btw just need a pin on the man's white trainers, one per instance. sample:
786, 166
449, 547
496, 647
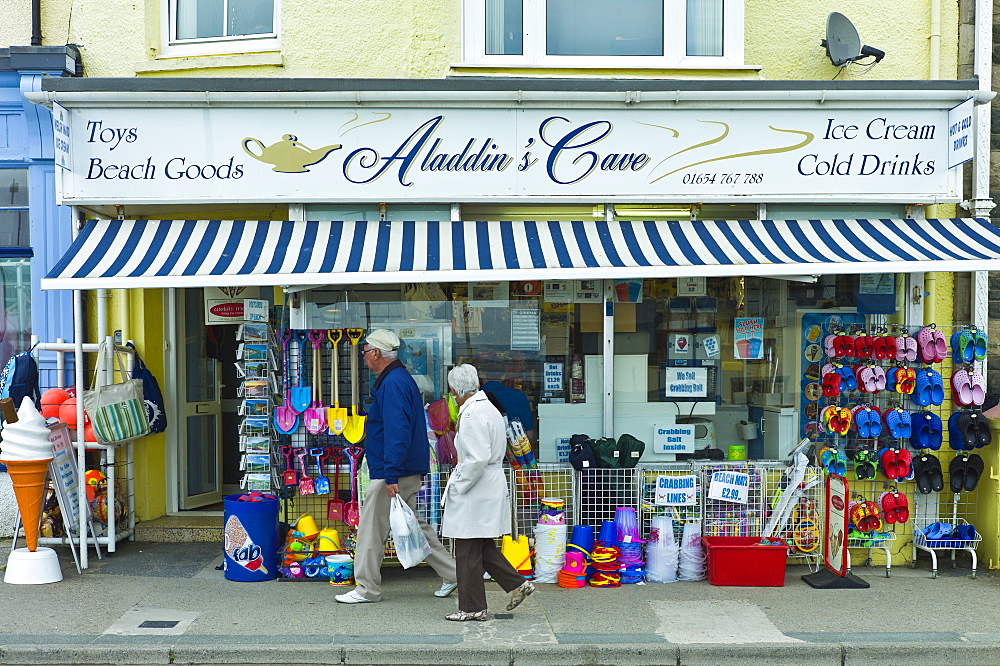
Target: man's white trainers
445, 589
352, 597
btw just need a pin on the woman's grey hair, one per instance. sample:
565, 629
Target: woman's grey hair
389, 354
464, 380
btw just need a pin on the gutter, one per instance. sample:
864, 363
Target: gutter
504, 97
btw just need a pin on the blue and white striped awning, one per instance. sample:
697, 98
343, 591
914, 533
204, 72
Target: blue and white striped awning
196, 253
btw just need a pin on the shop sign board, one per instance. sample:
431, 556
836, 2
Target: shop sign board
729, 487
63, 471
378, 154
553, 373
961, 140
686, 382
673, 438
835, 544
61, 135
679, 490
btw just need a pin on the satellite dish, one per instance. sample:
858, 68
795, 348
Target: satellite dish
843, 44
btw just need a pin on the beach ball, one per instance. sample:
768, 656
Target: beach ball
51, 401
88, 432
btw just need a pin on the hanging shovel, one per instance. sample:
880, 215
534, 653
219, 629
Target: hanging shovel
306, 485
336, 415
290, 477
335, 505
322, 484
301, 395
286, 420
352, 512
315, 416
354, 429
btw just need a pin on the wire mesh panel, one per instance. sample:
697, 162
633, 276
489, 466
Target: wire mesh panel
601, 491
681, 485
729, 518
801, 524
528, 486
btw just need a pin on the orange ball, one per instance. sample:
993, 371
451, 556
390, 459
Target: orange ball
52, 400
88, 433
67, 412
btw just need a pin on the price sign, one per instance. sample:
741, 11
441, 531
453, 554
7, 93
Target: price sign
729, 487
680, 490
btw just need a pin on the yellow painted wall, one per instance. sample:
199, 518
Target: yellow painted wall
140, 314
422, 39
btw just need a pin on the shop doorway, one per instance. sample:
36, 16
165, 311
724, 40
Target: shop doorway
200, 482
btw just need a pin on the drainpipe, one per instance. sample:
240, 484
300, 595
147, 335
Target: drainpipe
36, 22
935, 41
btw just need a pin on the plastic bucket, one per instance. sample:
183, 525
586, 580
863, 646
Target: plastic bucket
341, 569
738, 452
250, 546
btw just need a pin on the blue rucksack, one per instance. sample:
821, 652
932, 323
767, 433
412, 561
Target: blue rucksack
156, 412
19, 379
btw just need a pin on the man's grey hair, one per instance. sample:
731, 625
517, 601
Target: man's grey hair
389, 355
464, 380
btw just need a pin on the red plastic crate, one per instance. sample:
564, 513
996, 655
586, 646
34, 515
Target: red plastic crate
742, 561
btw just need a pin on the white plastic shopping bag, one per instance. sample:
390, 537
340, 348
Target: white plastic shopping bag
407, 537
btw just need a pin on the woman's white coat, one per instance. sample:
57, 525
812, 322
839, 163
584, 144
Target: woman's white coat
477, 499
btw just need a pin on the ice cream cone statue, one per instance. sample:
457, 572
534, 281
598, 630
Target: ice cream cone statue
26, 451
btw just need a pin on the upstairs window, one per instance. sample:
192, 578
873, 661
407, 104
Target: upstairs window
211, 27
604, 33
15, 228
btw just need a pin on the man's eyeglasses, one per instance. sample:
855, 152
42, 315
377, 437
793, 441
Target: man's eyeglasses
365, 351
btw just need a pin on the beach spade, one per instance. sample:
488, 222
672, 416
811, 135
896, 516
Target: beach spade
290, 477
301, 395
335, 505
336, 415
352, 512
306, 485
315, 416
286, 420
321, 482
354, 429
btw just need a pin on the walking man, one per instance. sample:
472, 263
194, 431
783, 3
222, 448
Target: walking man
398, 456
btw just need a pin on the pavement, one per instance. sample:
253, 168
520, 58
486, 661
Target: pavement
166, 603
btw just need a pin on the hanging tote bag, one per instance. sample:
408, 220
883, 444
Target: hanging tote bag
117, 411
156, 412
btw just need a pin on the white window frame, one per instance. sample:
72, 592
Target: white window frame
172, 47
674, 48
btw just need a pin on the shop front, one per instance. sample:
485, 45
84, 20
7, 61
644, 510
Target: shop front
668, 261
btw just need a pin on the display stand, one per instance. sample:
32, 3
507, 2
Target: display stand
836, 575
933, 546
870, 544
255, 364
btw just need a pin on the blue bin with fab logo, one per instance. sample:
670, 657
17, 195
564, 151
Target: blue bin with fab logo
250, 537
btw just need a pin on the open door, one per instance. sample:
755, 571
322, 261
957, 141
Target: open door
200, 445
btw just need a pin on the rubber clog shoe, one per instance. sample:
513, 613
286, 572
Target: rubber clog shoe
922, 389
973, 472
864, 465
921, 474
980, 345
978, 384
940, 346
936, 478
902, 509
894, 422
961, 388
906, 381
887, 458
878, 348
828, 347
831, 385
982, 429
880, 379
887, 500
929, 425
875, 421
937, 386
890, 346
963, 345
901, 348
848, 382
925, 344
843, 346
956, 472
863, 346
904, 463
905, 424
867, 379
860, 423
957, 440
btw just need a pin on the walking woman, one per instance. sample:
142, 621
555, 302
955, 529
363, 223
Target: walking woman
477, 502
